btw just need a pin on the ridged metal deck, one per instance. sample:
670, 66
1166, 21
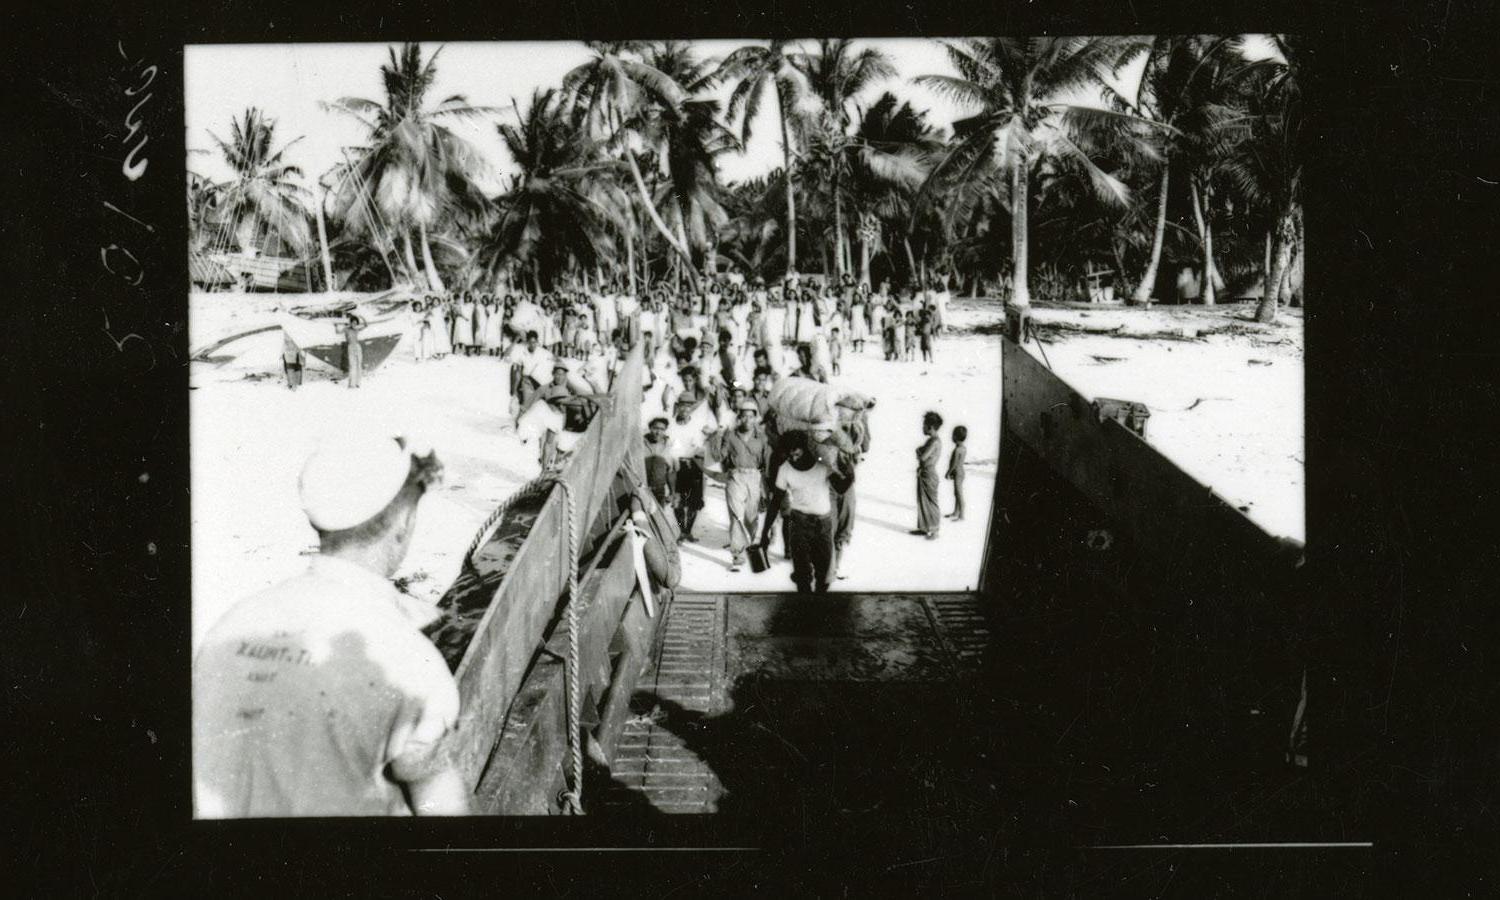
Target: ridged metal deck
719, 655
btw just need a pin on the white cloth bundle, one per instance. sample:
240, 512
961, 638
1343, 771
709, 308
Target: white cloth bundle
803, 404
537, 420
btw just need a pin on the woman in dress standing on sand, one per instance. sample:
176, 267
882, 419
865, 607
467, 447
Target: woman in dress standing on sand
929, 514
441, 324
421, 341
859, 326
463, 325
481, 319
493, 337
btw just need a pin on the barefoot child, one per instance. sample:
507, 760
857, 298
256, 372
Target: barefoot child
929, 514
956, 470
925, 326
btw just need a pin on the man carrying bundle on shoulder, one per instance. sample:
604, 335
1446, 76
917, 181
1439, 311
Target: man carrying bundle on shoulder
804, 482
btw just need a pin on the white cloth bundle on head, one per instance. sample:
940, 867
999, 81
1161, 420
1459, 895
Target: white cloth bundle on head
803, 404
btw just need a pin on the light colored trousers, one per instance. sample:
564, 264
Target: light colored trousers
742, 493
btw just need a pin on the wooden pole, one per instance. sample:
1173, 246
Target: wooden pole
323, 245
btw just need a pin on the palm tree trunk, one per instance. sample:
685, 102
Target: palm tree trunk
838, 228
791, 197
1020, 295
1296, 272
630, 252
1206, 235
411, 259
661, 226
433, 278
911, 261
864, 260
687, 261
1280, 262
1266, 269
1148, 278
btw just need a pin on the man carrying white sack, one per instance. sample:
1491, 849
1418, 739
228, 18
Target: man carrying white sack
320, 696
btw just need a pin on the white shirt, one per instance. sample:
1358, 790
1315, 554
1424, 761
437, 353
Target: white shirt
310, 695
536, 363
806, 492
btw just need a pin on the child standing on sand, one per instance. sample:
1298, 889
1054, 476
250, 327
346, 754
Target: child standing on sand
911, 336
956, 470
929, 514
925, 328
836, 351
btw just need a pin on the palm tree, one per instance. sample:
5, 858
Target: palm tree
263, 200
690, 138
1210, 140
877, 169
1170, 84
202, 203
416, 169
622, 99
753, 70
837, 74
1025, 91
751, 237
551, 216
1265, 162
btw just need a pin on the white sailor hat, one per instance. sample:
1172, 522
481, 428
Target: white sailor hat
349, 479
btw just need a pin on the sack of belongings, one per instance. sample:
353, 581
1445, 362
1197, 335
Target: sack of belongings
802, 404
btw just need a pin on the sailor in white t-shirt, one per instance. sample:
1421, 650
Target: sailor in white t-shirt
321, 696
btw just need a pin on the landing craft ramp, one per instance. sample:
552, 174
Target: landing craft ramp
1128, 671
756, 703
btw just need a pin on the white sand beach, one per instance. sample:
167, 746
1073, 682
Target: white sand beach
1227, 407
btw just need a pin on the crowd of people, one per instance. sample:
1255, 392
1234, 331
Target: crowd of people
713, 359
736, 389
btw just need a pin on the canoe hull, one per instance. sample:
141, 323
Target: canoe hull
321, 340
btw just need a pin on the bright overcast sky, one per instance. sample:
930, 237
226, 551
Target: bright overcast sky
288, 81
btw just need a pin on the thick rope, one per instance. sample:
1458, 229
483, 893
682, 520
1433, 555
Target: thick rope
530, 492
572, 797
571, 800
